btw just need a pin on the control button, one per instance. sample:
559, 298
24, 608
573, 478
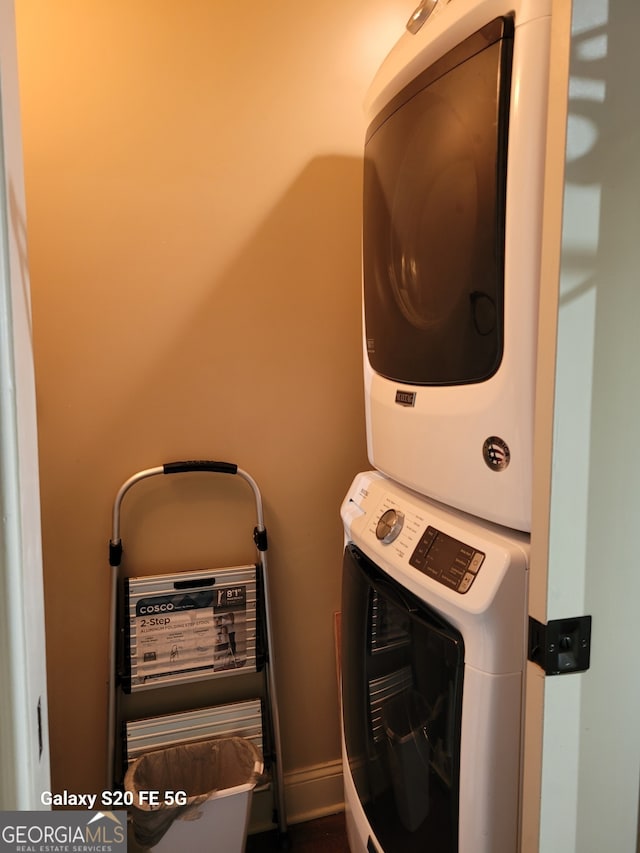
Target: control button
422, 550
466, 582
429, 535
476, 562
389, 526
461, 562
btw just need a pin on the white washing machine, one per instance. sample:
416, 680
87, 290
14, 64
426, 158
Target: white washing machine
433, 657
453, 193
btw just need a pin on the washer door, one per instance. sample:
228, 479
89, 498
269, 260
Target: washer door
402, 673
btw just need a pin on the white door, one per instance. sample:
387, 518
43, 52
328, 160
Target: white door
584, 728
24, 745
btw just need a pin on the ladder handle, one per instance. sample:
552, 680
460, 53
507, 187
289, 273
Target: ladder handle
115, 543
199, 465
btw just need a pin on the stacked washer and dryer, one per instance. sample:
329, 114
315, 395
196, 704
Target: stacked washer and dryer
435, 573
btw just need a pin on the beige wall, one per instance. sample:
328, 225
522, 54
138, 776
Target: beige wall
193, 184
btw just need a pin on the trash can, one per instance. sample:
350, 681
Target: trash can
406, 718
217, 776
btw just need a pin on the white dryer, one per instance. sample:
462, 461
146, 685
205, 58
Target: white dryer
433, 656
453, 189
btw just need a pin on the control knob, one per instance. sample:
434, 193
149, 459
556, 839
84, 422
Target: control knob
389, 526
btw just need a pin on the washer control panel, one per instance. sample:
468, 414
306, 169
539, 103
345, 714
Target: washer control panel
447, 560
409, 534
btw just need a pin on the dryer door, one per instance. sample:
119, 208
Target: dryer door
402, 673
434, 218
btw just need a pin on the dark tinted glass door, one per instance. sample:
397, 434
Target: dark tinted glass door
402, 672
434, 217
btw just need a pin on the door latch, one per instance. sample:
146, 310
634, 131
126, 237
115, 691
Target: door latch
562, 645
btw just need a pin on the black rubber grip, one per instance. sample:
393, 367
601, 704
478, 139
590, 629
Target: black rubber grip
200, 465
260, 538
115, 553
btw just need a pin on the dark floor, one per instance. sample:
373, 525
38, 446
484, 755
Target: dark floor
325, 835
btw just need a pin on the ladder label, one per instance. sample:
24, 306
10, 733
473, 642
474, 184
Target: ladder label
181, 632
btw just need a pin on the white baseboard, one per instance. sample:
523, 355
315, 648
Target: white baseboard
314, 792
309, 793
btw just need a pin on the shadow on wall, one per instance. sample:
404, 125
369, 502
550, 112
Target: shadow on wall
599, 307
610, 173
266, 374
279, 339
